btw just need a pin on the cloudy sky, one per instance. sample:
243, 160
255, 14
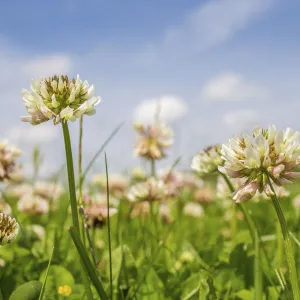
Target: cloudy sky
218, 67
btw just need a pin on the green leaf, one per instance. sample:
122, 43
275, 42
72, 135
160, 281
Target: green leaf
57, 276
27, 291
245, 294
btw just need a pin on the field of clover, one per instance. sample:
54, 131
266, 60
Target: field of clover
227, 228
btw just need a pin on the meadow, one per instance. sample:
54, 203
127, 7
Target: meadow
226, 228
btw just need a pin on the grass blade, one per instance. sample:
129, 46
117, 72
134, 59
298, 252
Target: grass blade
45, 280
87, 263
101, 149
108, 228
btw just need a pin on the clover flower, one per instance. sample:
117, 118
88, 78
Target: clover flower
9, 228
33, 205
97, 214
207, 161
8, 165
140, 209
138, 174
58, 98
149, 190
48, 191
118, 184
193, 210
267, 153
153, 140
5, 207
173, 181
204, 196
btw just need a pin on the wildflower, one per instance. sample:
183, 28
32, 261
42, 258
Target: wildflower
58, 98
4, 207
118, 184
138, 174
140, 209
48, 191
173, 181
9, 228
149, 190
207, 161
203, 196
64, 290
268, 153
193, 210
33, 205
165, 213
97, 214
153, 140
8, 165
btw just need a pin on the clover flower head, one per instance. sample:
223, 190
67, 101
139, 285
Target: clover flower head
207, 161
204, 196
118, 184
173, 181
8, 165
58, 98
48, 191
33, 205
193, 210
149, 190
268, 153
153, 140
9, 228
97, 214
5, 207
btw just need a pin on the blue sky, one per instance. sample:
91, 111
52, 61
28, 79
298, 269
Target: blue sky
226, 65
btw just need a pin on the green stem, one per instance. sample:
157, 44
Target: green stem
108, 229
153, 173
287, 243
254, 232
73, 201
258, 279
71, 178
87, 264
80, 161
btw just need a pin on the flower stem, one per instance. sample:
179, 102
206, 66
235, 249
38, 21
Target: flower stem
287, 243
153, 173
108, 229
254, 232
258, 279
73, 201
71, 178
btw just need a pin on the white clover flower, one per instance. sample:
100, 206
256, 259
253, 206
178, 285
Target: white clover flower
58, 98
8, 166
153, 140
268, 152
48, 191
149, 190
9, 228
33, 205
118, 184
207, 161
193, 210
5, 207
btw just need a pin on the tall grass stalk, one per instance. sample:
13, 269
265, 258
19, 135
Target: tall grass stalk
73, 201
108, 228
287, 242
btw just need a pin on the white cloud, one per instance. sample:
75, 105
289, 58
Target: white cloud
46, 66
232, 87
32, 135
214, 22
241, 119
170, 109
